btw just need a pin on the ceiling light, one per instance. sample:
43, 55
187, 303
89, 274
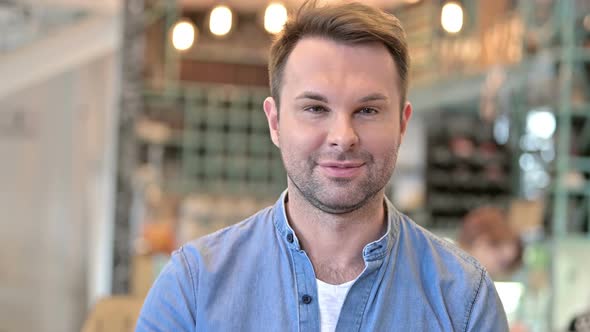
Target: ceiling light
220, 20
451, 17
275, 17
183, 35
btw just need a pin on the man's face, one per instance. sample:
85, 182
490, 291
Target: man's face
339, 127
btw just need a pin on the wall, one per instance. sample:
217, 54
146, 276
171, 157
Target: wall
56, 174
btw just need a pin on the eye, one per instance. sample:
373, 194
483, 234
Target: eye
316, 109
368, 111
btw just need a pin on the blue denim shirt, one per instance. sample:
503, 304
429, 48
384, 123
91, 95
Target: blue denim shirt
254, 276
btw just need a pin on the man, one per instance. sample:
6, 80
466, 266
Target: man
332, 253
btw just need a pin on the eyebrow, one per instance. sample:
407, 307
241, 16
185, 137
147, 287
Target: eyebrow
316, 96
373, 97
312, 95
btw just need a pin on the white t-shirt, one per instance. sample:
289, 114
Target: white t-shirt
330, 299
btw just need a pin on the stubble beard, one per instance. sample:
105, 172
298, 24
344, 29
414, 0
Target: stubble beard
314, 189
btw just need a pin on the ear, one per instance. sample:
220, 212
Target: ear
272, 116
405, 118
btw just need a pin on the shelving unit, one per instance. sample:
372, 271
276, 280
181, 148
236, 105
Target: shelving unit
466, 169
566, 52
573, 131
568, 98
220, 142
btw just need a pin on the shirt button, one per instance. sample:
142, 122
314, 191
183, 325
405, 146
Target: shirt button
290, 238
306, 299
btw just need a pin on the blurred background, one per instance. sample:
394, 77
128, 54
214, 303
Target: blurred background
128, 127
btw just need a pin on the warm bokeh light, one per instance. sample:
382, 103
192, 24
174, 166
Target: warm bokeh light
451, 17
183, 35
220, 21
275, 17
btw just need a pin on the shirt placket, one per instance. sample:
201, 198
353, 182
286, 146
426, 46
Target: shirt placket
358, 296
309, 311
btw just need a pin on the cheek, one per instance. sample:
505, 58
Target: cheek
381, 143
300, 139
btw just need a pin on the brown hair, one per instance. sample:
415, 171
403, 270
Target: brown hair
490, 222
350, 23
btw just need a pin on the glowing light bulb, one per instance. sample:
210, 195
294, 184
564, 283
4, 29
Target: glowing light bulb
220, 20
183, 35
275, 17
451, 17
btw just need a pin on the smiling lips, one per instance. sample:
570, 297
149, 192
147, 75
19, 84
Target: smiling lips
341, 169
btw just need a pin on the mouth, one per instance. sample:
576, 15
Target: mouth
341, 169
341, 164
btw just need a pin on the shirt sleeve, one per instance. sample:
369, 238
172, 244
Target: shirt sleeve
487, 313
171, 302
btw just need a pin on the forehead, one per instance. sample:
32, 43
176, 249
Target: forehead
326, 63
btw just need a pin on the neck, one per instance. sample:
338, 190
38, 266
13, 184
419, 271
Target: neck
334, 242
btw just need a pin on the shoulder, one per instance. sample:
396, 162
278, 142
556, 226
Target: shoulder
438, 250
449, 272
200, 267
237, 233
233, 241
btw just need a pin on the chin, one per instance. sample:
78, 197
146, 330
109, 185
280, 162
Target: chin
338, 206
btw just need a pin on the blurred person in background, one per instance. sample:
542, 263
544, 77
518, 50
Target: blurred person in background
487, 236
332, 253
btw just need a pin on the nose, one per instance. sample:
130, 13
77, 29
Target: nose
342, 134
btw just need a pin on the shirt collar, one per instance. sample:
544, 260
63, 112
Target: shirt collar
375, 250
